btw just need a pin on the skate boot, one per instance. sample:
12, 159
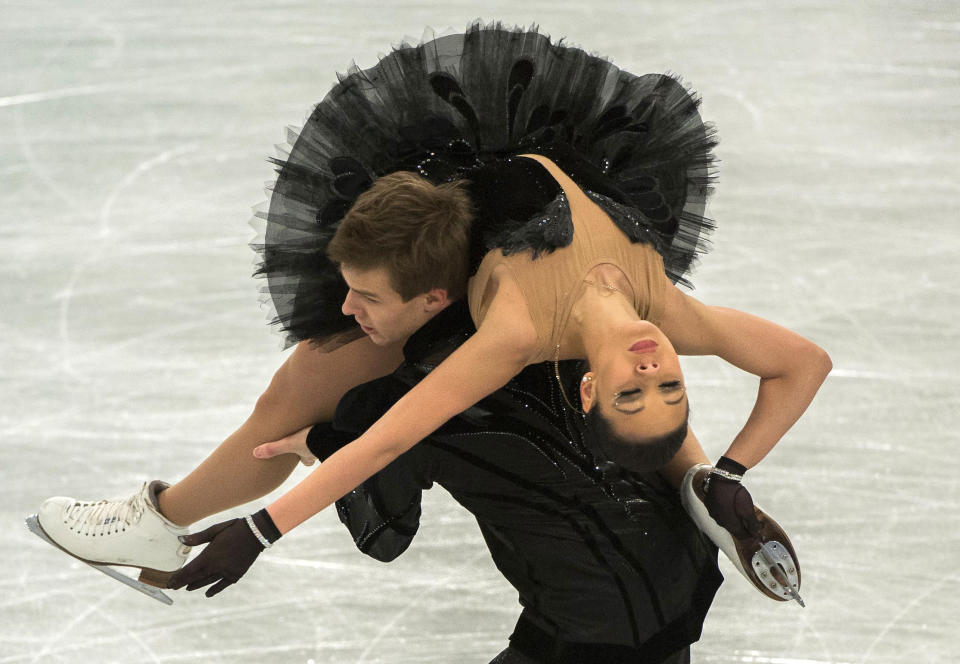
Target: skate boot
128, 532
768, 561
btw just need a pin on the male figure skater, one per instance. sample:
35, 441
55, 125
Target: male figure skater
607, 565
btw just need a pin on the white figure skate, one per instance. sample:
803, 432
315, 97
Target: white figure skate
770, 564
128, 532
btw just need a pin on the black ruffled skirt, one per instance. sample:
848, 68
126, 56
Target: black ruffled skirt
460, 106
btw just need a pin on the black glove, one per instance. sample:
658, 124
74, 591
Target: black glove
231, 549
729, 502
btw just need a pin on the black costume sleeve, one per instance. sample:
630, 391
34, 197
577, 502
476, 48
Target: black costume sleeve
383, 513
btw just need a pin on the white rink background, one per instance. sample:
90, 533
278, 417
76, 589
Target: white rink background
133, 143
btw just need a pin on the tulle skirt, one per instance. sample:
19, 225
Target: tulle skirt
456, 107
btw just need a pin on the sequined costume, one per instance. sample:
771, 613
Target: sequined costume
607, 565
551, 283
463, 106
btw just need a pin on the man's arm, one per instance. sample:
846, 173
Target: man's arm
383, 513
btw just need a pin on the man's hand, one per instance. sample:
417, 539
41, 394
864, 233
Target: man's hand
231, 549
293, 444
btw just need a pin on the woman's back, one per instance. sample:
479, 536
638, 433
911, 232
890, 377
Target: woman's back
551, 283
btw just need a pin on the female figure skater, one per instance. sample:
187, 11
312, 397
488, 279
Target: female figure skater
607, 201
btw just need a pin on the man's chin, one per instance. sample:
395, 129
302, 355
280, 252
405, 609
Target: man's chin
379, 339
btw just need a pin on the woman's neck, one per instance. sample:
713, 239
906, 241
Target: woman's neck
600, 308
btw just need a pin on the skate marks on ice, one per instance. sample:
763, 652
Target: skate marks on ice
140, 274
33, 525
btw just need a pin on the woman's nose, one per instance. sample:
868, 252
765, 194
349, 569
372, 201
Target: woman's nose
647, 367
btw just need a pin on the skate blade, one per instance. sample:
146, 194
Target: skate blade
33, 525
778, 570
769, 563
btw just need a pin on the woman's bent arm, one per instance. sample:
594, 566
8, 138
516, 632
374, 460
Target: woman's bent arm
790, 367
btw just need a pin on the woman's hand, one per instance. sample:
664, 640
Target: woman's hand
729, 502
293, 444
231, 549
731, 506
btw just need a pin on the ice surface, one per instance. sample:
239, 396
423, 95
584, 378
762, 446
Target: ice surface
134, 141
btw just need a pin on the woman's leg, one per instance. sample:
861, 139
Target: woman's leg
305, 390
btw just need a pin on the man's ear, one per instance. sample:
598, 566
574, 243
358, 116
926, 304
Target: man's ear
588, 391
436, 299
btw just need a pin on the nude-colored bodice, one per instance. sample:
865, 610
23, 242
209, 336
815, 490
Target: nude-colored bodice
552, 282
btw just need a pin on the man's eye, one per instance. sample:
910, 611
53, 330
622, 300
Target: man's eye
672, 386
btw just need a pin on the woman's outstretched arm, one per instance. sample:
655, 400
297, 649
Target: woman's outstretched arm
483, 364
790, 367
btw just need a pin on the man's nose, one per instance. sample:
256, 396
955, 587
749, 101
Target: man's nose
348, 307
647, 367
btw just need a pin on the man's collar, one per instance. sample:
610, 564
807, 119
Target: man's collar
453, 324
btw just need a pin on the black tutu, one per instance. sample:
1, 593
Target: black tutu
460, 106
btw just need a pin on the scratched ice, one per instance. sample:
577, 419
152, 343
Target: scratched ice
134, 139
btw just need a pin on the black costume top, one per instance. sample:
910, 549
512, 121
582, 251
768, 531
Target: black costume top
607, 565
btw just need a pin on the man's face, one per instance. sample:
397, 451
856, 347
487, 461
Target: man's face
380, 311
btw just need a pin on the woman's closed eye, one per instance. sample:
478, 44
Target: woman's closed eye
634, 397
627, 397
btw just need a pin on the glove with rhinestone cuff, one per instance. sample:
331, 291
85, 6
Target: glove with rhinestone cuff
232, 547
729, 502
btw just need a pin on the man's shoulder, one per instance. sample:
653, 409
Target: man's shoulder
440, 335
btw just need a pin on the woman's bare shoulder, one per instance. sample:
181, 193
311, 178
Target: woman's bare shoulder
508, 314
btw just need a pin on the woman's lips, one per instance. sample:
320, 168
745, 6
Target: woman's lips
646, 346
366, 330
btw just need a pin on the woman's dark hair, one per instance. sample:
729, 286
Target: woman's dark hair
634, 455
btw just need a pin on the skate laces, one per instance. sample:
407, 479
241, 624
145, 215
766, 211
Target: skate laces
105, 517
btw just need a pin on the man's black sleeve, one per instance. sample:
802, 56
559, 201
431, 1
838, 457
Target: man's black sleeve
383, 513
